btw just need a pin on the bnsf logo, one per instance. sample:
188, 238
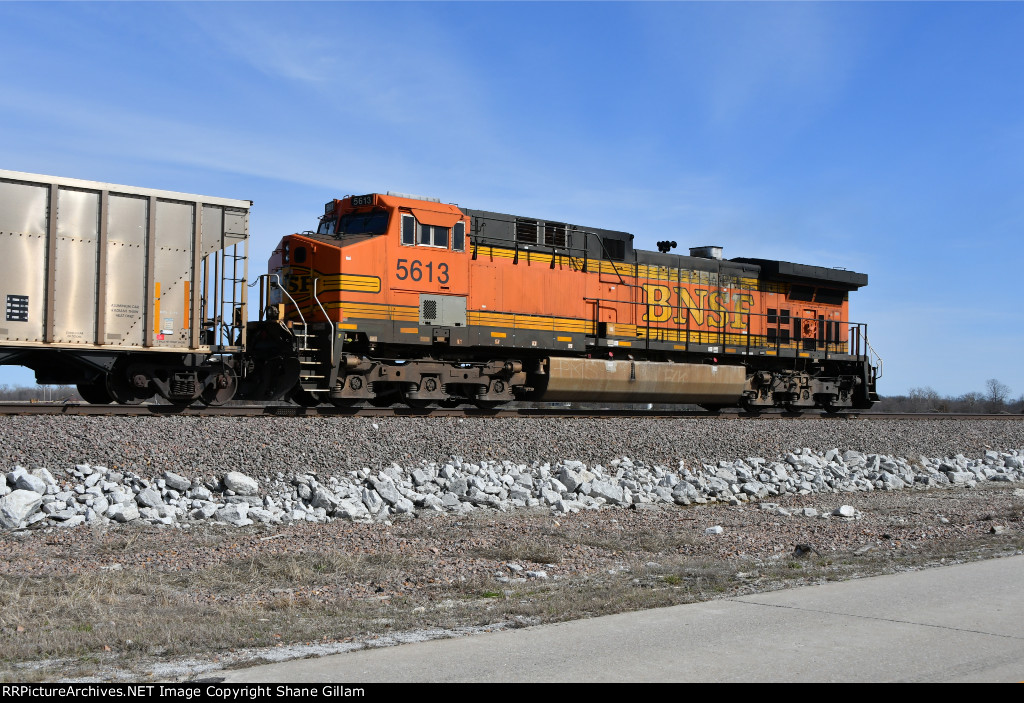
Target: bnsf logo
701, 306
298, 284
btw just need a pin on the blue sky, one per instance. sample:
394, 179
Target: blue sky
887, 138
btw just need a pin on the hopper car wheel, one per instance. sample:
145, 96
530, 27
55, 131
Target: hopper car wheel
304, 398
451, 403
487, 404
343, 402
95, 393
121, 390
222, 389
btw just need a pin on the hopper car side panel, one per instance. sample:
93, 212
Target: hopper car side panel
98, 277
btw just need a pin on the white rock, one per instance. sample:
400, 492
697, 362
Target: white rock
46, 477
351, 510
18, 506
716, 530
241, 484
235, 514
123, 512
845, 511
28, 482
149, 498
176, 482
611, 493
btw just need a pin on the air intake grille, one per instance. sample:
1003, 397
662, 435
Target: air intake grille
429, 309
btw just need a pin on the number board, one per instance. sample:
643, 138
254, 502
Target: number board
362, 200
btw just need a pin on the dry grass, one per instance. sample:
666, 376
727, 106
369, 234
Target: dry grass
101, 618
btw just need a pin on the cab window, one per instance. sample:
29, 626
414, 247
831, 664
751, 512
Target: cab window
374, 222
459, 237
416, 233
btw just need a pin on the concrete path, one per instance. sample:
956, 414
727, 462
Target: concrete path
956, 623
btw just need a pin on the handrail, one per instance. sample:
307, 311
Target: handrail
282, 289
320, 305
875, 354
655, 331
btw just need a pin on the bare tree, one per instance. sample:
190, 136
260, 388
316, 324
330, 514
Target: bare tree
996, 393
970, 402
923, 399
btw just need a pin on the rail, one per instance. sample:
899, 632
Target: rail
154, 410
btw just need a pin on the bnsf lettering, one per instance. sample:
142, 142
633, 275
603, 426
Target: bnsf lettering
712, 308
416, 271
298, 284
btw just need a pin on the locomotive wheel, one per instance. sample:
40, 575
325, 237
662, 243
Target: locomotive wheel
488, 404
343, 402
95, 392
222, 390
451, 402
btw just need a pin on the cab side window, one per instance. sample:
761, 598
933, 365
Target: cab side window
408, 230
417, 234
459, 236
432, 236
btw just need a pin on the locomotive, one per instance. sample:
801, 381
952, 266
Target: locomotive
401, 299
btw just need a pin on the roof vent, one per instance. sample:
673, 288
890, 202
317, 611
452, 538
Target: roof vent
707, 252
413, 197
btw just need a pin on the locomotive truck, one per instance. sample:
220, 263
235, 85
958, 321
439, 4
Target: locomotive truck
133, 293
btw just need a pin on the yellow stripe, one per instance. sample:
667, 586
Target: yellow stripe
564, 339
409, 330
804, 354
188, 308
156, 309
352, 283
499, 334
345, 326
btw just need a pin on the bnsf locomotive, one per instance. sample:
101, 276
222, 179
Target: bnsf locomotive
398, 299
402, 299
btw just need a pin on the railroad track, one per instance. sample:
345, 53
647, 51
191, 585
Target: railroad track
157, 410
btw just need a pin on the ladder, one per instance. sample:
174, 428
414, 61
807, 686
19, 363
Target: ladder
311, 366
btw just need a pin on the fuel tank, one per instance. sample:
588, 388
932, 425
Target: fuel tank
643, 382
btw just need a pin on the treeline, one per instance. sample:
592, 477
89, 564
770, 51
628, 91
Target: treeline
996, 398
40, 394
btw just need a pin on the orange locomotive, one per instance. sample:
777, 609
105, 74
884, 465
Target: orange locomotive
403, 299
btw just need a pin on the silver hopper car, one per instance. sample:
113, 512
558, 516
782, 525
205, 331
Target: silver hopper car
127, 292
